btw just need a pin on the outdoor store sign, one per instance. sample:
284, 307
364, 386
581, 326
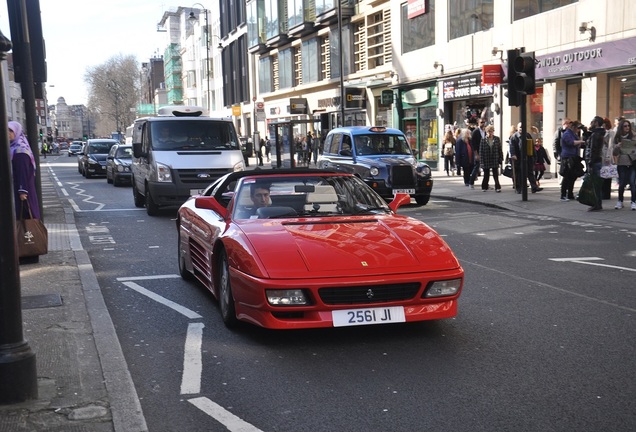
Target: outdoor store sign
466, 87
593, 58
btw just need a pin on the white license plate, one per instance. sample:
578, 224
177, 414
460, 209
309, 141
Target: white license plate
194, 192
406, 191
355, 317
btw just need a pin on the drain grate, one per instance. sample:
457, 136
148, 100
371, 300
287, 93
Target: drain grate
41, 301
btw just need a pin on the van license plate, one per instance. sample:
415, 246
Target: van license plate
354, 317
405, 191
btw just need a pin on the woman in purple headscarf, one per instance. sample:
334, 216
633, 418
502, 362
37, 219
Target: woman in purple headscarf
23, 165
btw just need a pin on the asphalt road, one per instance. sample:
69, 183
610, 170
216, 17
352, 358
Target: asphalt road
544, 339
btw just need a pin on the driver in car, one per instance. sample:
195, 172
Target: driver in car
259, 195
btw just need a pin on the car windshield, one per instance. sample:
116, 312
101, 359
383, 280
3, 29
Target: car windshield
381, 144
124, 153
193, 135
272, 197
99, 147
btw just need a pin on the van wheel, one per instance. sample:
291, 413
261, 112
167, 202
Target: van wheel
151, 206
137, 197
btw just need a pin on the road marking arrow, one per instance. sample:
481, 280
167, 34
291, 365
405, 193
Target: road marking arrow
586, 260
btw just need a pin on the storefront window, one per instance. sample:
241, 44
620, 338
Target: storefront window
628, 98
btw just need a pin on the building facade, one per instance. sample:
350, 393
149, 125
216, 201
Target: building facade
411, 64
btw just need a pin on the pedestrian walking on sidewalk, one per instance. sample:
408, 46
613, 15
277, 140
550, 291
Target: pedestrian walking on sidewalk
448, 147
625, 163
476, 136
571, 166
23, 167
490, 157
517, 145
542, 159
594, 159
458, 137
464, 155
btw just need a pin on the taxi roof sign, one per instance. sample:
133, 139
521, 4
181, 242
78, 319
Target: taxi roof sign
182, 111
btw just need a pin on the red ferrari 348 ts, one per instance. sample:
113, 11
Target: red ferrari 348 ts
289, 249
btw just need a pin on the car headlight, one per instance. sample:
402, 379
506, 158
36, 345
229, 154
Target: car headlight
239, 166
443, 288
423, 169
163, 173
374, 171
122, 168
292, 297
92, 161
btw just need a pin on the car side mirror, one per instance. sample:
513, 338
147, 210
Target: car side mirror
399, 200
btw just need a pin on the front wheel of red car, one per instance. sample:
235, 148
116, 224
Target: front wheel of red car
226, 298
183, 271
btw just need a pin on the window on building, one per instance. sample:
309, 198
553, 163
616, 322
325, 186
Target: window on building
325, 59
275, 19
347, 51
418, 32
311, 60
525, 8
469, 17
265, 81
323, 6
286, 68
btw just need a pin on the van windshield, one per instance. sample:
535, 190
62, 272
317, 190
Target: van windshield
193, 135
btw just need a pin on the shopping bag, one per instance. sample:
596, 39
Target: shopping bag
609, 171
587, 193
33, 237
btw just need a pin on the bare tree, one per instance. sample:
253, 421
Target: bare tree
113, 93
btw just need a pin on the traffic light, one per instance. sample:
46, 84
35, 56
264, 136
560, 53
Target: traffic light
41, 134
512, 94
523, 80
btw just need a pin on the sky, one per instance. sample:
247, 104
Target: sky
80, 34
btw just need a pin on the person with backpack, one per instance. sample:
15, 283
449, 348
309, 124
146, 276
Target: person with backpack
449, 153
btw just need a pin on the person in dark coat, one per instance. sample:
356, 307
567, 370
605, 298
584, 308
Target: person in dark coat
23, 167
477, 135
517, 145
490, 157
594, 158
465, 155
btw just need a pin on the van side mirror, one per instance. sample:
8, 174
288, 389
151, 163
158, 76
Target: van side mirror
137, 151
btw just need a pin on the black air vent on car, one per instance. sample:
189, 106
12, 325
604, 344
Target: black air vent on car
368, 294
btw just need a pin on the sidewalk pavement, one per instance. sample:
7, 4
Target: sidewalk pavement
83, 379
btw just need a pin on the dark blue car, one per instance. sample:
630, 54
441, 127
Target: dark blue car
381, 157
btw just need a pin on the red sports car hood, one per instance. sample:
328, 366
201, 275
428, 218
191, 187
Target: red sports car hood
329, 247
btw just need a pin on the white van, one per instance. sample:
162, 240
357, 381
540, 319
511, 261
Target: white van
178, 154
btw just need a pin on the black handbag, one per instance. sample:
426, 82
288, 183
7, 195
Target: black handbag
33, 237
507, 171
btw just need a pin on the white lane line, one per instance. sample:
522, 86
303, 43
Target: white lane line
223, 416
192, 364
585, 260
137, 278
164, 301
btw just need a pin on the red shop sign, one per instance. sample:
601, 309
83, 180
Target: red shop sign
491, 74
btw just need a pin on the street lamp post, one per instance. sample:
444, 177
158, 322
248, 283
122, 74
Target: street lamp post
192, 18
